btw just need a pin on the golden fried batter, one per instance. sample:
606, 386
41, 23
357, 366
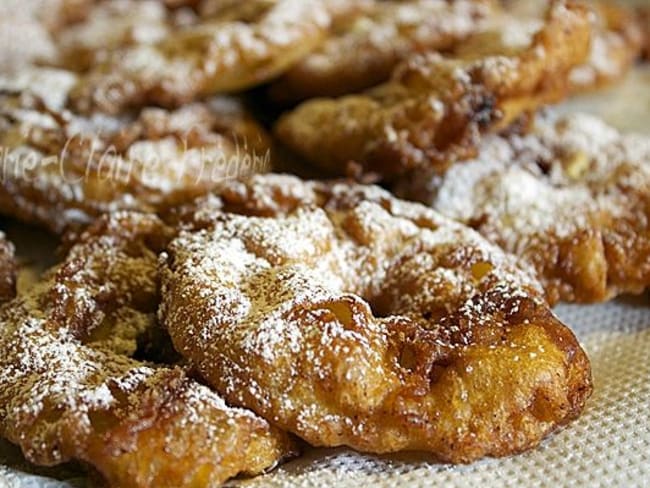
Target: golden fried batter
366, 44
616, 45
572, 198
66, 393
244, 44
62, 169
349, 317
434, 110
8, 269
57, 15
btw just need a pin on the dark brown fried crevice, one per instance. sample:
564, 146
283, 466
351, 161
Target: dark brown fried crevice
8, 269
643, 14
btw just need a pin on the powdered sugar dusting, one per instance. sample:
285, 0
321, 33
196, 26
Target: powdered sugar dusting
573, 176
62, 169
65, 389
235, 47
298, 314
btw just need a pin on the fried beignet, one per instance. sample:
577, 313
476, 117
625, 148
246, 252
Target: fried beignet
70, 391
61, 169
110, 25
616, 45
435, 110
349, 317
247, 43
364, 46
572, 198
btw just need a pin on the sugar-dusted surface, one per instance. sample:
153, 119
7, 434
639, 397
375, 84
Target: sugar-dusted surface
369, 37
571, 198
70, 388
111, 25
239, 46
349, 317
607, 446
61, 169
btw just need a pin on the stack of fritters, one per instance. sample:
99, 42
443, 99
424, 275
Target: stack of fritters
204, 317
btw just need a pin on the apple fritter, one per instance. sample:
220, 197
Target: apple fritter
365, 45
244, 44
434, 110
69, 389
62, 169
572, 198
349, 317
8, 269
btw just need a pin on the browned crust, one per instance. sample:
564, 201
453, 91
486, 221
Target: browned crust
617, 43
571, 198
242, 46
434, 110
369, 38
643, 14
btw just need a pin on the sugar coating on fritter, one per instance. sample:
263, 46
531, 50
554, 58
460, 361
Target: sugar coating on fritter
61, 169
349, 317
29, 29
615, 40
434, 110
242, 45
70, 389
369, 38
643, 15
571, 198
